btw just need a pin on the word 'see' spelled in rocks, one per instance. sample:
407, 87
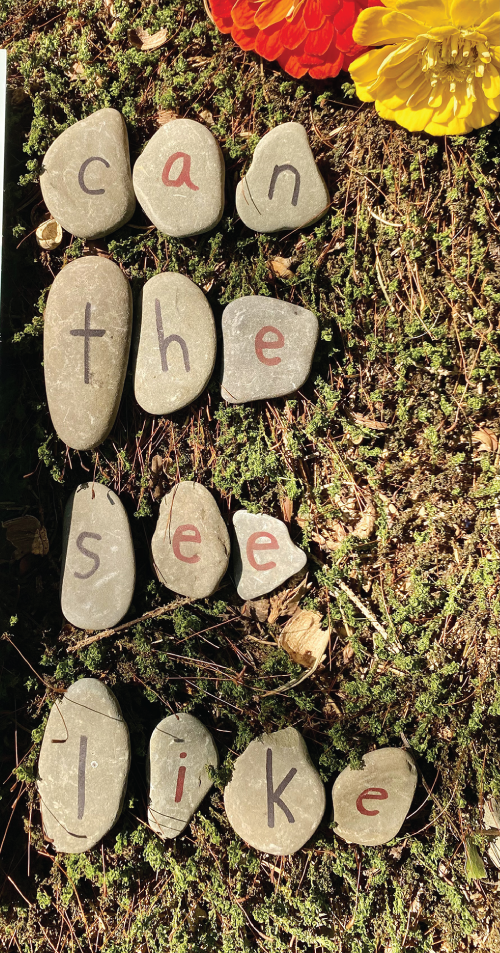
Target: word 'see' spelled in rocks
268, 348
275, 799
283, 188
190, 545
180, 751
86, 343
176, 344
179, 179
83, 767
98, 563
264, 555
85, 179
371, 804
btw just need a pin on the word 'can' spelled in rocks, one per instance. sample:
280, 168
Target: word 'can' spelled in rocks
180, 752
264, 555
83, 767
98, 563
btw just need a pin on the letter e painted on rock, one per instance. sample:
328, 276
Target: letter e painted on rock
262, 345
370, 794
254, 546
186, 533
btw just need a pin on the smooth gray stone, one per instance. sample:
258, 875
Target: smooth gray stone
491, 821
275, 799
190, 546
268, 348
264, 555
85, 179
370, 805
83, 767
179, 752
98, 563
179, 179
86, 343
177, 344
283, 188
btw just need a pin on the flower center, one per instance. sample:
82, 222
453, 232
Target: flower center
455, 60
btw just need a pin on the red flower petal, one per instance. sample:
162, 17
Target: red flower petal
314, 14
294, 33
319, 41
268, 42
291, 62
245, 39
329, 67
243, 14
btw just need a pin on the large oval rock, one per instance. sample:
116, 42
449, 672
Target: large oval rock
268, 348
370, 805
275, 799
264, 555
86, 343
180, 750
190, 546
179, 179
85, 179
283, 188
83, 767
98, 563
176, 346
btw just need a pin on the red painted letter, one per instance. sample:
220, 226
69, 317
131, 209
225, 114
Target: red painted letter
184, 177
261, 345
187, 533
254, 546
371, 794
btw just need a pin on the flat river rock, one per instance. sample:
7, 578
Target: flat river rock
180, 750
86, 342
83, 767
176, 345
264, 555
190, 545
98, 563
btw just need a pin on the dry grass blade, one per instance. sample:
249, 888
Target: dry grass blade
303, 638
368, 422
394, 645
144, 40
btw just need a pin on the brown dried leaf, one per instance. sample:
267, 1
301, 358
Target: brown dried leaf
486, 439
286, 602
166, 115
281, 267
256, 609
303, 638
287, 508
144, 40
368, 422
27, 535
207, 117
365, 526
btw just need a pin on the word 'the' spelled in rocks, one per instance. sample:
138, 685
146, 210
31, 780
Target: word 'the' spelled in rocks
275, 799
180, 751
83, 767
98, 563
86, 343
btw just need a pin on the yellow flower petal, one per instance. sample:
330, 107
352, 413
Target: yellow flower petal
491, 83
375, 26
413, 119
467, 13
429, 12
364, 70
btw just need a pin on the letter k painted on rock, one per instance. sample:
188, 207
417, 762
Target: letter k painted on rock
274, 796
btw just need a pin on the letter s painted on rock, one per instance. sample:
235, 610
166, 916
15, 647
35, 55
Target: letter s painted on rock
88, 552
81, 175
186, 533
254, 546
371, 794
184, 177
262, 345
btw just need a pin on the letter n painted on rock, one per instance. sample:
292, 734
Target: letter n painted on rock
262, 345
274, 796
186, 533
184, 177
254, 546
277, 171
371, 794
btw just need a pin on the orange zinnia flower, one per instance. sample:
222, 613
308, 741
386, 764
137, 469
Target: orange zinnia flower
305, 36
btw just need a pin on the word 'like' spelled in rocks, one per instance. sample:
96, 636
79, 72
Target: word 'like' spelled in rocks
180, 751
179, 179
98, 563
86, 342
176, 344
83, 767
371, 804
264, 555
275, 799
190, 545
283, 188
85, 179
268, 348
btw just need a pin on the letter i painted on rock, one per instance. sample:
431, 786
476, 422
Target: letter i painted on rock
181, 774
82, 764
274, 796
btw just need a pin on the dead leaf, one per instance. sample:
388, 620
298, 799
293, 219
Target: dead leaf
166, 115
336, 536
281, 267
27, 535
77, 71
486, 439
303, 638
256, 609
365, 526
144, 40
286, 602
368, 422
207, 117
287, 508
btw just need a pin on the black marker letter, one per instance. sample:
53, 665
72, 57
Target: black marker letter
82, 761
163, 342
89, 553
278, 169
83, 169
274, 796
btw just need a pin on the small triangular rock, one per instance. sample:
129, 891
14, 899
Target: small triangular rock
85, 179
83, 767
264, 555
370, 805
283, 188
180, 750
275, 799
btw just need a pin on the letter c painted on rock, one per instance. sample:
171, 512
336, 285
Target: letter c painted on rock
81, 175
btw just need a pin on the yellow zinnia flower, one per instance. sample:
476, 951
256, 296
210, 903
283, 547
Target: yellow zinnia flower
439, 66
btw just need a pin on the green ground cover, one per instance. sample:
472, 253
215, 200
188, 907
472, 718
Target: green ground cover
397, 427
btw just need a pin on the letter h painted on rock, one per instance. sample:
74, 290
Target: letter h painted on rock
163, 342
